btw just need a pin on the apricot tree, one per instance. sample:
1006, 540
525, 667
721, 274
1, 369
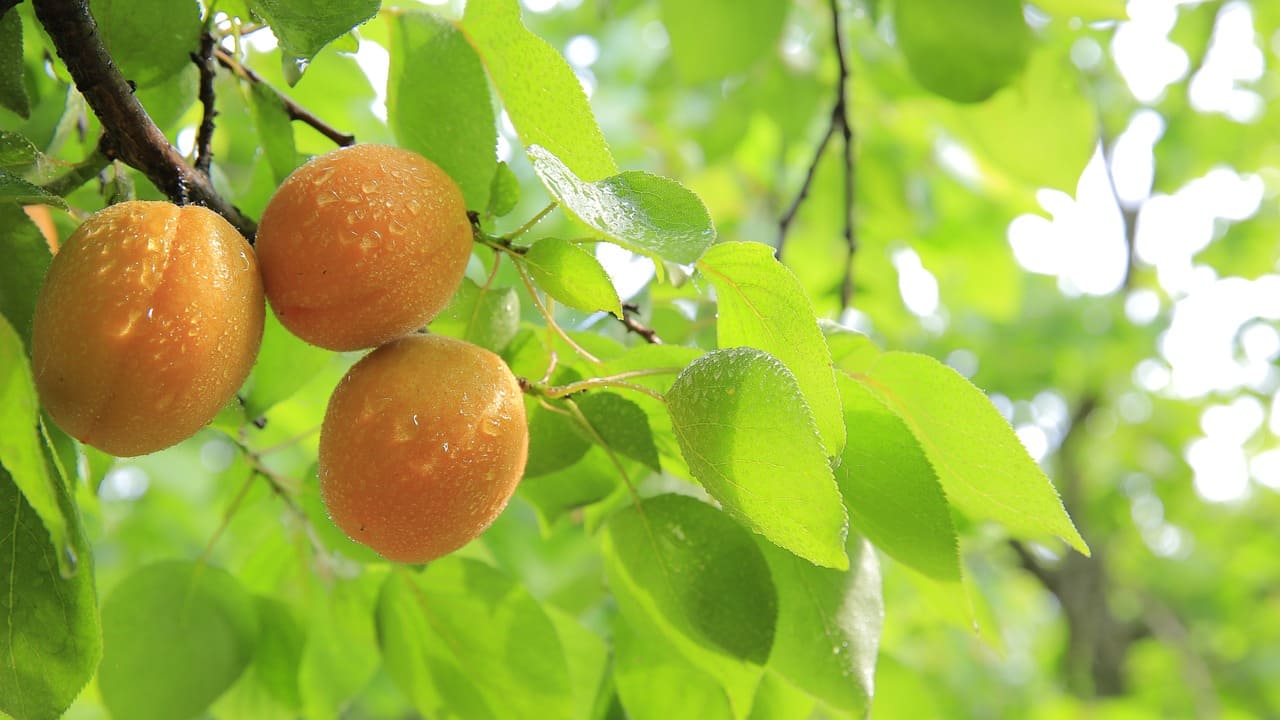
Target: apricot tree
551, 415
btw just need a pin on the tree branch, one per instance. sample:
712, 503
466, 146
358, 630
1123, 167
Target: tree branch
633, 325
839, 122
132, 135
295, 111
204, 137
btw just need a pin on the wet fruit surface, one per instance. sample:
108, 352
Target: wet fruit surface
422, 446
363, 245
148, 322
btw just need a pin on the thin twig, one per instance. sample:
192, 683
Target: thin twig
552, 325
785, 223
204, 137
840, 116
79, 174
529, 225
295, 111
132, 134
633, 325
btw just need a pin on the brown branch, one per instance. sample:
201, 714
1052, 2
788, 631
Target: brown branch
839, 122
295, 111
132, 135
633, 325
204, 137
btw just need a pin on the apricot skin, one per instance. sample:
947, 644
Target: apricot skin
422, 445
363, 245
148, 322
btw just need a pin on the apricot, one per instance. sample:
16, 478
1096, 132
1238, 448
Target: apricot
421, 447
148, 322
363, 245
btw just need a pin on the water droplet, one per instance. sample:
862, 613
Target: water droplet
70, 562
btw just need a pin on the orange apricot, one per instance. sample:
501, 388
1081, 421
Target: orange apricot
422, 445
148, 322
363, 245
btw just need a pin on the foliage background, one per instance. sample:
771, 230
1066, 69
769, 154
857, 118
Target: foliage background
1094, 245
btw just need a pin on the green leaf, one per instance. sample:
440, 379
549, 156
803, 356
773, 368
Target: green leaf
640, 211
26, 258
22, 449
334, 539
340, 655
963, 51
14, 189
150, 40
285, 363
555, 442
572, 275
279, 652
829, 625
504, 191
587, 657
175, 636
761, 304
697, 568
541, 94
1087, 10
1041, 128
984, 469
622, 425
851, 351
655, 682
448, 118
714, 38
463, 638
17, 153
52, 641
275, 130
589, 480
13, 92
891, 490
485, 316
749, 438
304, 27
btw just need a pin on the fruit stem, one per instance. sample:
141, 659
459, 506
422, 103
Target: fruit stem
615, 381
527, 226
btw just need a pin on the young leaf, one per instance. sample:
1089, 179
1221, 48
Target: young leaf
829, 625
541, 94
175, 636
622, 425
572, 275
463, 637
504, 191
22, 450
285, 364
485, 316
714, 38
984, 469
702, 572
640, 211
51, 643
749, 438
275, 130
26, 259
891, 490
14, 189
963, 51
150, 40
13, 91
304, 27
447, 118
762, 305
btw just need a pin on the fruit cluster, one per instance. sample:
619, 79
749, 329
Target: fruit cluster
151, 316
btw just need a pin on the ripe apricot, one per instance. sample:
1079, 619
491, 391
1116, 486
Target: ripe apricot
363, 245
421, 447
148, 322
